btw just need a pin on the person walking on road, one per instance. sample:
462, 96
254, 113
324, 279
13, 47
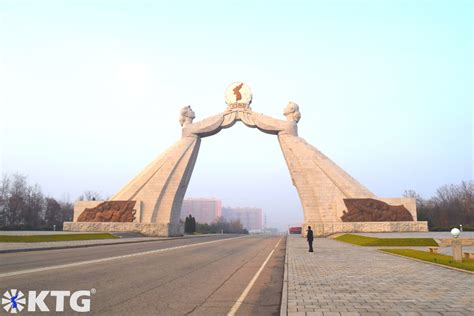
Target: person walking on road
309, 237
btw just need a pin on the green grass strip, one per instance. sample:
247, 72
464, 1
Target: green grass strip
387, 242
466, 264
65, 237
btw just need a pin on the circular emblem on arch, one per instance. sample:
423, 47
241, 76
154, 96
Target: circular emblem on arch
238, 95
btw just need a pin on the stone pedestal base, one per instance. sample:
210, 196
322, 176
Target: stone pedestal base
325, 229
456, 244
155, 230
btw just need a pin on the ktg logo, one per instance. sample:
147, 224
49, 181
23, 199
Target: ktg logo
15, 301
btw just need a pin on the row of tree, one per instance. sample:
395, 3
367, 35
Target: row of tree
222, 226
24, 206
452, 205
218, 226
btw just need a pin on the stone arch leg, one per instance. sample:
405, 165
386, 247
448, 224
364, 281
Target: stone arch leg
161, 186
321, 184
178, 184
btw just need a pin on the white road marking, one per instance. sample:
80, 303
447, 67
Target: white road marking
244, 294
81, 263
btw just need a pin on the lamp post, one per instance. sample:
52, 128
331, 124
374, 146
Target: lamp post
456, 245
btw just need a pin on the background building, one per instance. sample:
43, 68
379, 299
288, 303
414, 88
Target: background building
250, 217
204, 210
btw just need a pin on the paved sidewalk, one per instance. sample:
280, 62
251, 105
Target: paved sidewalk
342, 279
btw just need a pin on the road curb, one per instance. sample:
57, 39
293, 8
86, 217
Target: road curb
94, 245
284, 292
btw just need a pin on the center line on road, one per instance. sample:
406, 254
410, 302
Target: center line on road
244, 294
75, 264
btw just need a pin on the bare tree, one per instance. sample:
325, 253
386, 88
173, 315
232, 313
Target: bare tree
4, 198
452, 205
53, 214
67, 209
413, 194
24, 206
17, 200
90, 196
34, 209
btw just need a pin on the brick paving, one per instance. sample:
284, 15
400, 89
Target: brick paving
342, 279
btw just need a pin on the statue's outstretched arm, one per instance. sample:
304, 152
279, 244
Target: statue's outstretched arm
205, 127
269, 124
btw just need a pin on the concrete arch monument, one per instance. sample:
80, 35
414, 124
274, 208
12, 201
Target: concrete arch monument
332, 200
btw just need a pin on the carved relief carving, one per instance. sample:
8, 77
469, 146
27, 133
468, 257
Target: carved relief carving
109, 211
371, 210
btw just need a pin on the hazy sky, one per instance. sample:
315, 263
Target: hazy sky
90, 92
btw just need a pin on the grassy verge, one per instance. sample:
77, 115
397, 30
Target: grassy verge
387, 242
65, 237
466, 264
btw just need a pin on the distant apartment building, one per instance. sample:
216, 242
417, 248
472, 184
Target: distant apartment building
250, 217
204, 210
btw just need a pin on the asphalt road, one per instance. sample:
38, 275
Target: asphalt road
197, 276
